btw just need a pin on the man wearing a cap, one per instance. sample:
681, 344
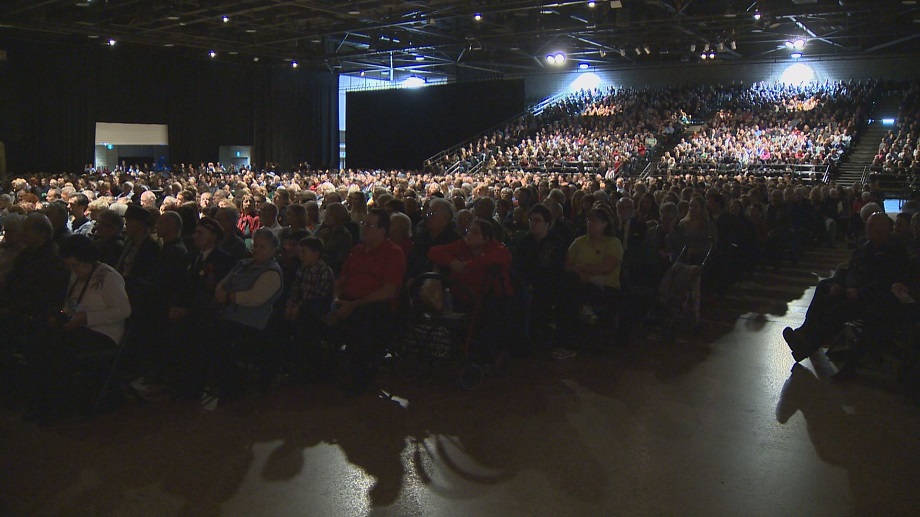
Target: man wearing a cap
193, 311
139, 258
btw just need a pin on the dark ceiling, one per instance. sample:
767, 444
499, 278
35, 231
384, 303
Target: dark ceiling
443, 38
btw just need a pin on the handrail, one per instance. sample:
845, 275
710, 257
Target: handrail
536, 109
864, 178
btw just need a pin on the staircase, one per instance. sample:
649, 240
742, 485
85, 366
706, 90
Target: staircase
861, 155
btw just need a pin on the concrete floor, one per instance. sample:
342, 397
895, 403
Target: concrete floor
713, 424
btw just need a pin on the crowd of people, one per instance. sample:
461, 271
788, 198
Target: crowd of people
765, 124
899, 150
204, 267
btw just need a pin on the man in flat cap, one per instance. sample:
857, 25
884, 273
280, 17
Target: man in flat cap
192, 314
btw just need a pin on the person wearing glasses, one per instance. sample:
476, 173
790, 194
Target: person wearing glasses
365, 298
438, 230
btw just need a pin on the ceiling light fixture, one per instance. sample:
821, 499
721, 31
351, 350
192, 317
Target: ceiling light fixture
796, 55
293, 64
419, 57
477, 17
225, 19
583, 66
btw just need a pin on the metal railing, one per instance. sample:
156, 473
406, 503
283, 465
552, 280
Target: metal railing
812, 172
536, 109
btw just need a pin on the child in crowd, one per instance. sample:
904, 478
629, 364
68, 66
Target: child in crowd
311, 294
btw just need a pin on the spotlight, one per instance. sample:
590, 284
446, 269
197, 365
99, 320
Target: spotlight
796, 55
734, 46
583, 66
647, 50
362, 73
551, 59
112, 43
756, 15
703, 56
591, 4
255, 59
799, 43
638, 51
212, 53
419, 57
225, 19
788, 44
622, 52
560, 58
712, 55
293, 64
477, 17
693, 47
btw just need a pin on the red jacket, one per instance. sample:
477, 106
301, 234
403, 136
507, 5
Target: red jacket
473, 277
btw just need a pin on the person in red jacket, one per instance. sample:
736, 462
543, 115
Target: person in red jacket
471, 259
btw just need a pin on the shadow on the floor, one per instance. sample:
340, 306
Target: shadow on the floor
852, 431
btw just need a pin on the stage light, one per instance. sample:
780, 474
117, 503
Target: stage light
293, 64
591, 4
734, 45
703, 56
788, 44
414, 82
477, 17
693, 47
622, 52
583, 66
560, 58
796, 55
551, 59
712, 55
706, 47
112, 43
225, 19
647, 50
638, 51
212, 53
799, 43
362, 73
757, 15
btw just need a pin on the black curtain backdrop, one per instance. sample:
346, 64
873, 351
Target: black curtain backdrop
52, 95
401, 128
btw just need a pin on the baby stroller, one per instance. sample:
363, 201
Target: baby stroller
680, 291
437, 335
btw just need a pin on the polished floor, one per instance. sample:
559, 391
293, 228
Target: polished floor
711, 424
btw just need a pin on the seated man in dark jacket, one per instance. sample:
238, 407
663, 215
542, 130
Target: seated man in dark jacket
36, 286
863, 292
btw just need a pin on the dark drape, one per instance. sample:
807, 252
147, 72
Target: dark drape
401, 128
52, 95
